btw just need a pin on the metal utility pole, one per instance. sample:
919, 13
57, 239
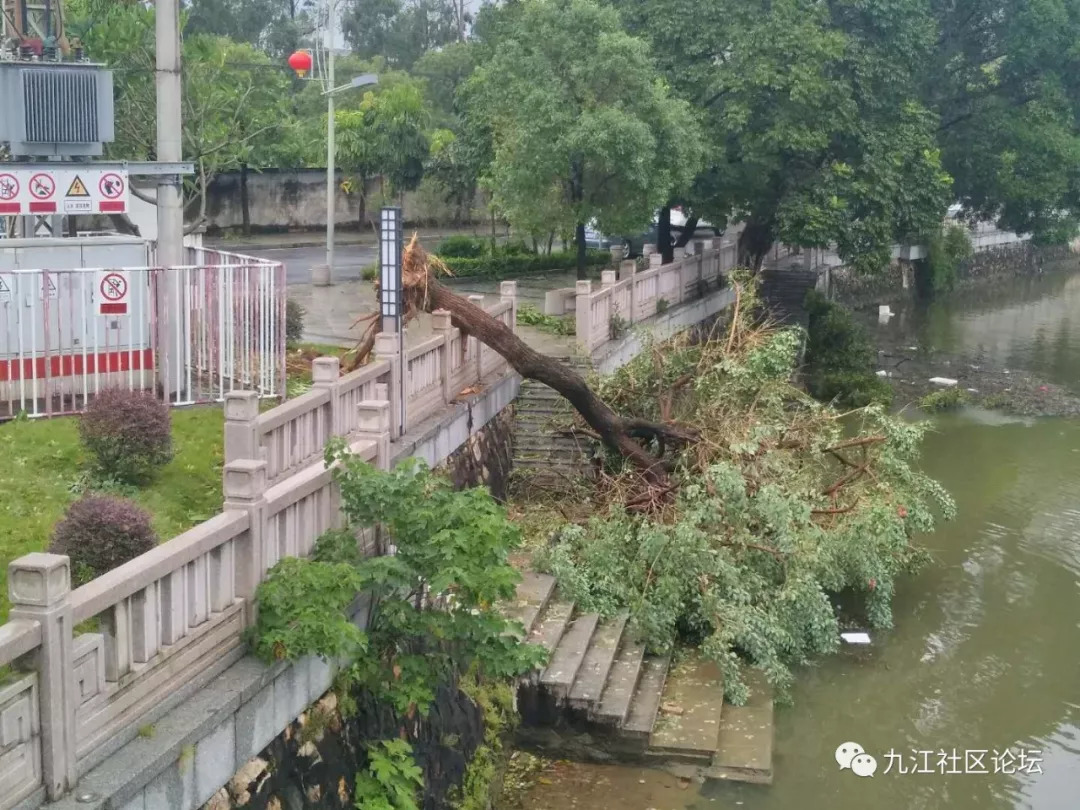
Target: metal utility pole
170, 206
323, 276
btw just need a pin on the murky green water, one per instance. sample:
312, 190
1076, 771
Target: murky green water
986, 651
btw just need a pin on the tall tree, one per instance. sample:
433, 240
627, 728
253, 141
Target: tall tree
387, 136
233, 99
1005, 81
276, 26
813, 114
582, 126
401, 30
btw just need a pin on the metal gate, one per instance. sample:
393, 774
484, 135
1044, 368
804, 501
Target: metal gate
67, 334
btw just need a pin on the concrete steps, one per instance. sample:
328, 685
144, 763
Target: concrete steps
542, 447
601, 695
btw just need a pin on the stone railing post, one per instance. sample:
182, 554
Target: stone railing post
39, 585
478, 347
441, 325
583, 314
627, 269
375, 425
245, 489
648, 250
386, 348
241, 436
656, 259
325, 373
608, 278
508, 294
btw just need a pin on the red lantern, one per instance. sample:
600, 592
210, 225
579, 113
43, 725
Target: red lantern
300, 61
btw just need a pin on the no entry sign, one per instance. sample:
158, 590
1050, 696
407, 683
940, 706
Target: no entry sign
113, 290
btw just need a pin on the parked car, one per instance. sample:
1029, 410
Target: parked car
634, 244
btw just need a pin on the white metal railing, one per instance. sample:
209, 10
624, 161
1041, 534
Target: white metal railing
67, 334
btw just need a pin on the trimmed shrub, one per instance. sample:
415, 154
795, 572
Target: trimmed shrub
294, 321
100, 532
128, 434
462, 247
503, 265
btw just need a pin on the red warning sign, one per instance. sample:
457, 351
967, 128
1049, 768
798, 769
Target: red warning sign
42, 189
9, 192
113, 286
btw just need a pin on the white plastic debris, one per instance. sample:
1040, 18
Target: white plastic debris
856, 638
884, 313
882, 373
944, 381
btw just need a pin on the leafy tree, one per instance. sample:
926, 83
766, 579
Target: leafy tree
402, 30
582, 127
435, 616
235, 101
276, 26
814, 116
387, 135
1005, 81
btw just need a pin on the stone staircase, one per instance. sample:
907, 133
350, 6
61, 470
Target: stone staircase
784, 289
543, 448
603, 698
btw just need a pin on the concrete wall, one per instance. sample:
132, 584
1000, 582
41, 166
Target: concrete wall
280, 199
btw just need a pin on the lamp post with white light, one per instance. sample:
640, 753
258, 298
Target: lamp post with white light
322, 275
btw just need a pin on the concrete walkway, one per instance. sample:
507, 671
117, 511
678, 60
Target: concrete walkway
332, 311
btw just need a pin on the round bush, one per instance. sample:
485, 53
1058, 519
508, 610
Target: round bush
127, 433
100, 532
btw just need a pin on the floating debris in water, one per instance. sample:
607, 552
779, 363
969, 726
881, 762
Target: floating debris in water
948, 381
856, 638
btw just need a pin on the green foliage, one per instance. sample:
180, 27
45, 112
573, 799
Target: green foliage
435, 616
617, 326
583, 129
839, 357
386, 135
461, 246
503, 265
401, 31
235, 99
948, 247
946, 399
392, 780
662, 306
814, 114
778, 507
530, 316
497, 700
294, 321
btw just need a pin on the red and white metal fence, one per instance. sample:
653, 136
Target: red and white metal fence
67, 334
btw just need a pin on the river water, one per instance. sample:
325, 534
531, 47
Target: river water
985, 654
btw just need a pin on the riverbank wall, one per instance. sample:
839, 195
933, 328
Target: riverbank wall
898, 283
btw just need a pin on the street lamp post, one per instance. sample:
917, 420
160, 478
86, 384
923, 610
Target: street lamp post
322, 275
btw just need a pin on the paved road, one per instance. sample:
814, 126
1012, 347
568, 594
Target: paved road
349, 257
348, 260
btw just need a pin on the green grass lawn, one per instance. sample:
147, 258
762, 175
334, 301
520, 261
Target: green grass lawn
43, 471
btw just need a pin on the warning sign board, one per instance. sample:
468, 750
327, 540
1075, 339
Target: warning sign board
7, 282
84, 190
9, 192
113, 289
77, 200
48, 288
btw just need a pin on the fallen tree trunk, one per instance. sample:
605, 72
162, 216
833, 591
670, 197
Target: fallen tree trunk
622, 435
628, 437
